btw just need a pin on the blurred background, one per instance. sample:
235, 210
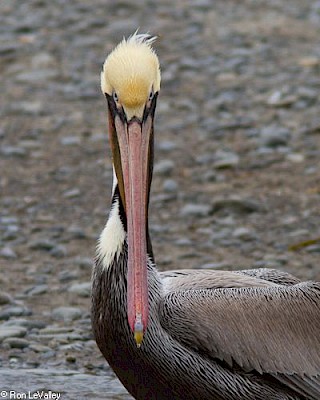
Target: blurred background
236, 178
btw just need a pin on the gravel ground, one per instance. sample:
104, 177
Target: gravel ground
237, 173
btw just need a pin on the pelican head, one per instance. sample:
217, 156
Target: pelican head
130, 81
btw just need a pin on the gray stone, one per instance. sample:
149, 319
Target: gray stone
42, 59
13, 151
70, 140
16, 342
183, 242
66, 276
220, 235
66, 313
36, 76
71, 193
98, 137
210, 176
170, 186
164, 167
53, 330
8, 253
295, 157
312, 128
236, 204
8, 220
274, 136
37, 290
84, 262
226, 159
14, 311
76, 232
195, 210
11, 331
11, 232
30, 144
281, 99
39, 348
314, 248
27, 323
59, 251
5, 298
243, 234
81, 289
166, 146
42, 244
27, 107
217, 265
9, 48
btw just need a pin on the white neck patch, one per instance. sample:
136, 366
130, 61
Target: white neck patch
112, 237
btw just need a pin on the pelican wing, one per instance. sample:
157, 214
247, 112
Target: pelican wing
273, 330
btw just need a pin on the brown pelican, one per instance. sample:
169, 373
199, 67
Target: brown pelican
188, 334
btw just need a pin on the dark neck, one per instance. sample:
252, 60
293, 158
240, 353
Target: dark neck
123, 218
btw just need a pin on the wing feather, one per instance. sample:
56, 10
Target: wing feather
273, 329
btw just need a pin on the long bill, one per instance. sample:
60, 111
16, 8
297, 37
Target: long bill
134, 142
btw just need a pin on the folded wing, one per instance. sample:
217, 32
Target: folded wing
270, 330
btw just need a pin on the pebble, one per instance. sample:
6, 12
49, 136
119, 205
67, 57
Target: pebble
68, 275
218, 236
81, 289
70, 140
14, 311
84, 263
243, 233
11, 331
5, 298
37, 290
76, 232
225, 159
170, 186
71, 193
195, 210
16, 342
39, 348
312, 128
66, 313
27, 323
295, 157
37, 76
53, 330
166, 146
280, 99
164, 167
11, 232
274, 136
309, 62
97, 137
42, 244
236, 204
183, 242
27, 107
59, 251
314, 248
8, 220
218, 265
13, 151
8, 253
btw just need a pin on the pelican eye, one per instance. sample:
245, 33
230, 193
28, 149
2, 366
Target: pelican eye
115, 97
151, 95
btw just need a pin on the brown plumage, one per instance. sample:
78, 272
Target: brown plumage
188, 334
